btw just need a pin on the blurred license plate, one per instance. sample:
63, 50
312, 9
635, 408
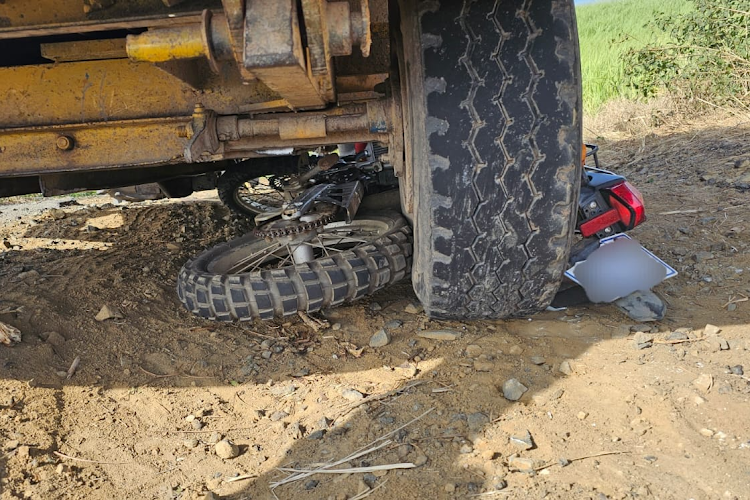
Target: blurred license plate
671, 272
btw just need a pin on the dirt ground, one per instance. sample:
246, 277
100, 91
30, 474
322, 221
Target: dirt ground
607, 417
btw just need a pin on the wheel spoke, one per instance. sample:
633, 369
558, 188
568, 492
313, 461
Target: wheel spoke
344, 239
332, 240
260, 262
254, 259
325, 248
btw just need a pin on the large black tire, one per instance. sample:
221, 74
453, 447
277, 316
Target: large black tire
492, 116
232, 180
324, 282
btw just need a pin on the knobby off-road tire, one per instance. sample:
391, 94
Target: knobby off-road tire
492, 115
232, 181
324, 282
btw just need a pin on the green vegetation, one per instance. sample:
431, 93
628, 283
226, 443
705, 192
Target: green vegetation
706, 61
607, 31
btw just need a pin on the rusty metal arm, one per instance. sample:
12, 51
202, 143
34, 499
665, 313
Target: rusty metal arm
202, 137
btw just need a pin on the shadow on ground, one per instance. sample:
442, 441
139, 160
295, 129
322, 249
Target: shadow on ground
155, 390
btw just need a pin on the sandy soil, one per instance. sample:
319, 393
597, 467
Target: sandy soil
154, 391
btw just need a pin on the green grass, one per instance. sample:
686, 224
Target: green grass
606, 30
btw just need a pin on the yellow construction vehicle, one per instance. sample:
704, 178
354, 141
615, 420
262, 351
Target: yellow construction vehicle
473, 105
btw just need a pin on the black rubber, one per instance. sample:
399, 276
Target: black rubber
492, 116
309, 287
235, 177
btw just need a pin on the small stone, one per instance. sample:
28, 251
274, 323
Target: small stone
483, 366
449, 488
28, 275
108, 312
413, 308
642, 306
723, 344
23, 452
704, 382
394, 323
190, 443
420, 460
57, 214
477, 421
226, 449
214, 438
295, 430
62, 469
537, 360
440, 335
266, 344
706, 432
278, 349
677, 335
314, 435
466, 449
266, 354
711, 330
197, 424
336, 327
381, 338
516, 350
521, 464
513, 389
311, 484
737, 370
53, 338
701, 257
386, 420
643, 340
698, 400
406, 369
680, 251
282, 390
523, 441
12, 445
499, 483
582, 415
566, 368
210, 496
278, 415
474, 351
352, 395
732, 307
374, 306
403, 450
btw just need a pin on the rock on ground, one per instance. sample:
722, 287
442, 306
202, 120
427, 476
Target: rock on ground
513, 389
226, 449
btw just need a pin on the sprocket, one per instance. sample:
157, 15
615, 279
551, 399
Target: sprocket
322, 214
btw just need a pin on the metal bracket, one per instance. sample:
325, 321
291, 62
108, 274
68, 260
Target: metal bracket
204, 139
349, 196
299, 207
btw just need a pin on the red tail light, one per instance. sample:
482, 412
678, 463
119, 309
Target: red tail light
593, 226
628, 202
